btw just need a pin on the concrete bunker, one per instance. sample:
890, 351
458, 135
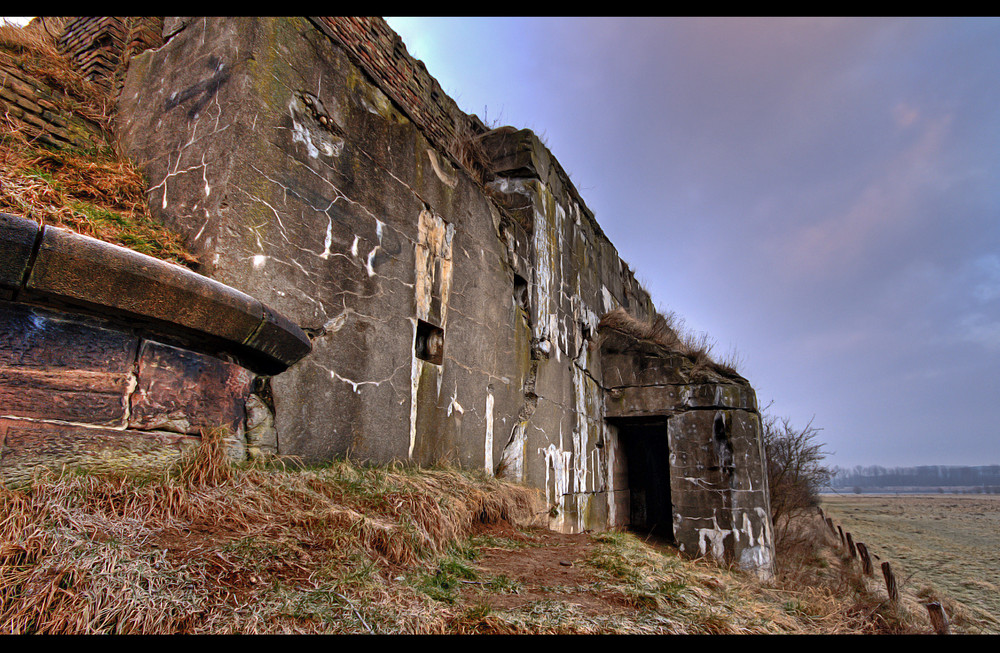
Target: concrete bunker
687, 431
332, 179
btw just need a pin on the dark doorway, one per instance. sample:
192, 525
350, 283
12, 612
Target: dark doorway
647, 463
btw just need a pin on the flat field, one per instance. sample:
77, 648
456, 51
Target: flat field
948, 542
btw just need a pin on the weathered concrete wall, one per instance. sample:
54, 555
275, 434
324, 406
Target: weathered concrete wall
327, 208
574, 276
380, 52
450, 320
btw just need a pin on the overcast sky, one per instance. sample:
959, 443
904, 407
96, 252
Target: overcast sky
820, 195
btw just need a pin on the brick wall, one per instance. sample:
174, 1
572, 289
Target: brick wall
43, 112
382, 55
99, 46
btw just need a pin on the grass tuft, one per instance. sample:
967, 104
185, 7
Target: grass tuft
667, 330
215, 547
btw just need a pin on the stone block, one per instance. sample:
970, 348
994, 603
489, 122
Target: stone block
184, 391
639, 401
54, 365
515, 153
26, 446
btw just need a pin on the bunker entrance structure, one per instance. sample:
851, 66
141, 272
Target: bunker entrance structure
460, 299
647, 469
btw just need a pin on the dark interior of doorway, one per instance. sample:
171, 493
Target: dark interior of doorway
647, 463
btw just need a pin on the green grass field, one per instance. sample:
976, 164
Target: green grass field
947, 542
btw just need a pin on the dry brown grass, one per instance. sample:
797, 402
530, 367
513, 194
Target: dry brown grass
213, 548
667, 330
942, 547
96, 193
468, 149
825, 586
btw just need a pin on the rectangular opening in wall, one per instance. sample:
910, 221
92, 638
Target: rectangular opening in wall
521, 292
647, 463
429, 343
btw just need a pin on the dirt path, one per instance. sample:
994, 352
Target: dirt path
550, 566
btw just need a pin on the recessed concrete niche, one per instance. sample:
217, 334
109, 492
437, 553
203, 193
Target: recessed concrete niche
429, 343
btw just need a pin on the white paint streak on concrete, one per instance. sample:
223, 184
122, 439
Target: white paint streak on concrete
258, 261
415, 364
328, 239
512, 459
334, 324
581, 432
301, 135
354, 247
765, 520
715, 537
489, 433
558, 462
453, 405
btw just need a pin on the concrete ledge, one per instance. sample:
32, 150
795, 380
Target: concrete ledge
71, 270
643, 401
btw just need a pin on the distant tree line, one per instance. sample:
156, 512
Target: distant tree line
929, 476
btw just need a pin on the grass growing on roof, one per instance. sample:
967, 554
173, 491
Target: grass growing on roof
97, 192
667, 330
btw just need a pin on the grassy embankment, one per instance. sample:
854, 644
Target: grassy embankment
342, 548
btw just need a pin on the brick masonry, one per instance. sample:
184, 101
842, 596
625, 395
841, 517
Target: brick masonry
43, 112
381, 53
99, 47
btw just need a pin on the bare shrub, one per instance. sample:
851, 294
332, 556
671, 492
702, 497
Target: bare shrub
795, 470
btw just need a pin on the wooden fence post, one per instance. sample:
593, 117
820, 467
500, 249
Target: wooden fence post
843, 540
939, 620
850, 546
866, 560
829, 522
890, 582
